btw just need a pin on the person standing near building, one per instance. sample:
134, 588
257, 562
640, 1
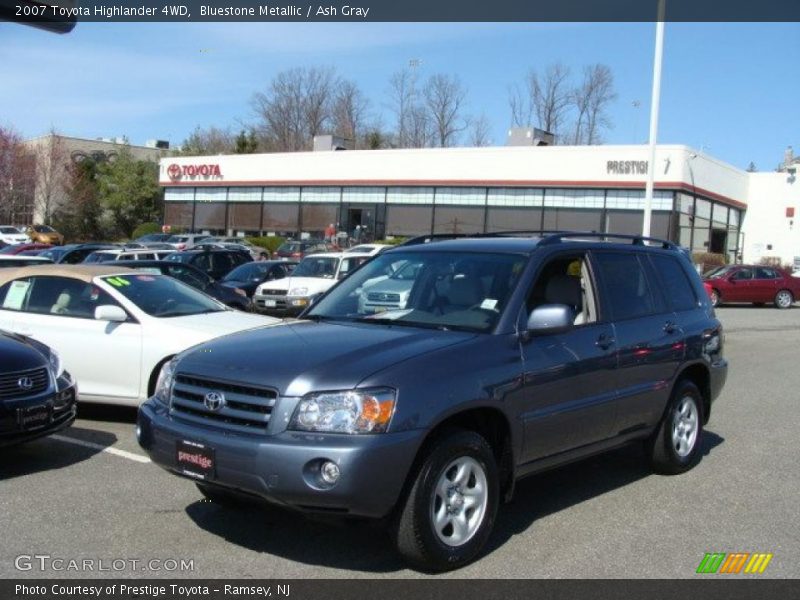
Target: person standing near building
330, 233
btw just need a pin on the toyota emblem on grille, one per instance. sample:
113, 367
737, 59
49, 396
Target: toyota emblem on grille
25, 383
214, 401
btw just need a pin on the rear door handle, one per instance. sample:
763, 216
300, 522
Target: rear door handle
670, 327
604, 342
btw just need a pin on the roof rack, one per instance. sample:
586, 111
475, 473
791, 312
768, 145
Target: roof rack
636, 240
436, 237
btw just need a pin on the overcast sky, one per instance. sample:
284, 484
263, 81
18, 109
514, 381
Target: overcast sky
730, 89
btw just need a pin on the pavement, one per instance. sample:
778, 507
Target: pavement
91, 494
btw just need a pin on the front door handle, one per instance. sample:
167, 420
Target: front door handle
670, 327
604, 342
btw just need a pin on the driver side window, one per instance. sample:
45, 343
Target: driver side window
566, 280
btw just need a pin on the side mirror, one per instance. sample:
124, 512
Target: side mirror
551, 318
109, 312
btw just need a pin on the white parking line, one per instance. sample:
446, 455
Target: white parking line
116, 452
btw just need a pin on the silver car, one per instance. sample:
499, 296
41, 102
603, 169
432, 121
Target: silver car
391, 291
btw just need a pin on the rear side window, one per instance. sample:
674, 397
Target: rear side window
766, 273
625, 285
677, 287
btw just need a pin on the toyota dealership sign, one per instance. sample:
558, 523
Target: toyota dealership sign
194, 172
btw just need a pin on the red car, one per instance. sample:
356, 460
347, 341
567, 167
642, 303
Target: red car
757, 284
17, 248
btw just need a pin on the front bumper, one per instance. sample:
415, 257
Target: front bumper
288, 306
283, 468
23, 420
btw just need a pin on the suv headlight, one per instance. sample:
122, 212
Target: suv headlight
298, 291
166, 378
347, 411
56, 364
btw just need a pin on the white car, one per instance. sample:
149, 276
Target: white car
315, 274
371, 249
11, 235
113, 254
113, 327
15, 261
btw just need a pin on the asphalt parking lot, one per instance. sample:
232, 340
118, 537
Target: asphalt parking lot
89, 493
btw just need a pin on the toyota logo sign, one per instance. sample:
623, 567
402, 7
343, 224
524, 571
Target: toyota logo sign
25, 383
174, 171
214, 401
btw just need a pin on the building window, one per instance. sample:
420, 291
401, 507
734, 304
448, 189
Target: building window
516, 197
281, 194
321, 194
179, 194
410, 195
211, 194
371, 195
244, 194
574, 198
461, 196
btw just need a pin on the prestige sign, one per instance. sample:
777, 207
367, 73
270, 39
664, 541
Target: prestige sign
193, 172
626, 167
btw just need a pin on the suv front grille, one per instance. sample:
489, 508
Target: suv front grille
245, 408
10, 383
275, 292
383, 297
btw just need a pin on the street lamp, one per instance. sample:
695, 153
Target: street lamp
648, 192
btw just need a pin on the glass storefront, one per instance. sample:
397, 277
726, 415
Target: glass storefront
698, 223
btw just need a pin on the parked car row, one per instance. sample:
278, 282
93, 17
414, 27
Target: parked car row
756, 284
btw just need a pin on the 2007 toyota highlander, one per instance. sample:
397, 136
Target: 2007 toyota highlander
511, 355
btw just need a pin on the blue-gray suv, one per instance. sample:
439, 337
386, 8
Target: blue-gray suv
511, 354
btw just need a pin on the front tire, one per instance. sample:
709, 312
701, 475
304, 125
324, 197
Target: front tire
676, 446
784, 299
449, 512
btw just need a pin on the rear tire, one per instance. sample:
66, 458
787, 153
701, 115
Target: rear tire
448, 514
784, 299
676, 446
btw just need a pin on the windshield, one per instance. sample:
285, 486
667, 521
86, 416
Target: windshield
719, 272
162, 296
43, 229
98, 257
317, 266
13, 230
441, 290
56, 253
247, 271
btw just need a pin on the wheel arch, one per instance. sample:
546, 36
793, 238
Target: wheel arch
699, 374
151, 383
491, 423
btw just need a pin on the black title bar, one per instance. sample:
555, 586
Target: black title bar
33, 11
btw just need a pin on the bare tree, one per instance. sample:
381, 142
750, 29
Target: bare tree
17, 178
519, 100
349, 111
213, 140
591, 100
479, 131
544, 97
51, 157
402, 98
295, 108
444, 98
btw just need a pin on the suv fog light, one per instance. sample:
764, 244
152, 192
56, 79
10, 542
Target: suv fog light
329, 471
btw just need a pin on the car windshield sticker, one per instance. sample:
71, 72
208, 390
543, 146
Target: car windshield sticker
489, 304
118, 281
16, 295
145, 278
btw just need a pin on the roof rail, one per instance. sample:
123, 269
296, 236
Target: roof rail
637, 240
435, 237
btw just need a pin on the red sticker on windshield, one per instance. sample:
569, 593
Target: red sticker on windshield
145, 278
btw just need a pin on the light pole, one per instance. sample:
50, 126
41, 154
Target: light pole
656, 96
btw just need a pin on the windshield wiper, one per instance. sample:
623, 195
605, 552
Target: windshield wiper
400, 323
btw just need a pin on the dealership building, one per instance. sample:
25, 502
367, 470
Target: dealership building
699, 201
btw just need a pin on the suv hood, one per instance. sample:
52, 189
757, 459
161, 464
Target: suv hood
304, 356
314, 285
18, 353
